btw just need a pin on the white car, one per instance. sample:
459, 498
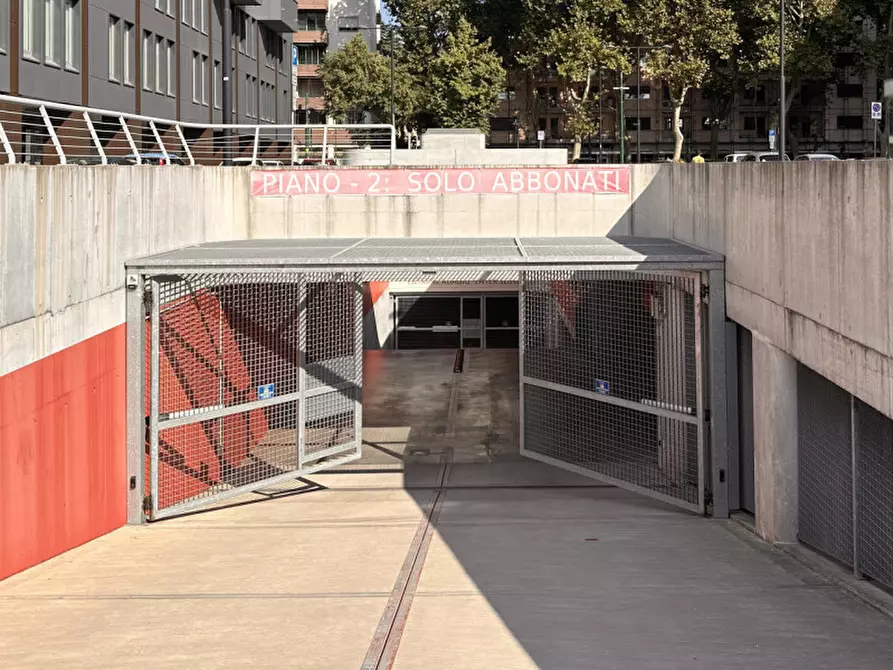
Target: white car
763, 157
736, 157
816, 157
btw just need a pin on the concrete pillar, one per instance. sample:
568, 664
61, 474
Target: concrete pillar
775, 441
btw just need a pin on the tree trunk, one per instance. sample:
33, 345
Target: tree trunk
578, 148
677, 131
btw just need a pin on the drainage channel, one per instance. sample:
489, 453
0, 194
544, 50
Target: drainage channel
386, 640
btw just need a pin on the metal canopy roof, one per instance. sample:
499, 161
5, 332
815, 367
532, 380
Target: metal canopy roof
377, 254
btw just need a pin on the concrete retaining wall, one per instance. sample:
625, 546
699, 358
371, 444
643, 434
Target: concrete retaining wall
809, 246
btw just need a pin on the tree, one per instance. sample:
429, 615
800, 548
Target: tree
815, 32
696, 31
356, 79
465, 80
574, 38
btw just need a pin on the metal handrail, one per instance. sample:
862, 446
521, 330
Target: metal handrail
383, 132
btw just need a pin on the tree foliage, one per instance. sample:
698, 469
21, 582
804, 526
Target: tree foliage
695, 33
574, 39
465, 80
356, 79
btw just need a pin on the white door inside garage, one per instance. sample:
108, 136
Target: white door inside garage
457, 321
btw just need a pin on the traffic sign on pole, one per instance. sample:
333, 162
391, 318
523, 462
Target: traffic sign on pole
876, 111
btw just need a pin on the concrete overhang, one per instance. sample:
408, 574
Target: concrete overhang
280, 16
435, 259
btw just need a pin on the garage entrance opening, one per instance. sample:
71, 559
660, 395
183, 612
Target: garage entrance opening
246, 359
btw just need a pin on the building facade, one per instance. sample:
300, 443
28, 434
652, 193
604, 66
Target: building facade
836, 120
159, 58
323, 26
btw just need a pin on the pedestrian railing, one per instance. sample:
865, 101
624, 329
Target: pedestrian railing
50, 133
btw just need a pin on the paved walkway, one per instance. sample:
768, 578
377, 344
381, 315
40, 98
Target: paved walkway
559, 573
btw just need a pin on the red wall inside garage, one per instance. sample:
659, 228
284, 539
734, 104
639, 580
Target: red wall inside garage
62, 451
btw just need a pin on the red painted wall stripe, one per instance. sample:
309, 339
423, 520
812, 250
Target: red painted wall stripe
63, 465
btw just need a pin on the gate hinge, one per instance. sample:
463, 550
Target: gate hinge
705, 291
708, 497
147, 301
707, 415
147, 505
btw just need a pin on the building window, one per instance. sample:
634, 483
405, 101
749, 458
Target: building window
32, 21
128, 53
160, 67
196, 13
4, 25
72, 34
52, 32
849, 123
148, 61
217, 80
114, 48
196, 74
310, 54
350, 24
159, 5
171, 69
849, 90
170, 7
311, 21
632, 123
203, 22
241, 28
185, 10
204, 65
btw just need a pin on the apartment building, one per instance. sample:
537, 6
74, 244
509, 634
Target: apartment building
326, 25
159, 58
836, 120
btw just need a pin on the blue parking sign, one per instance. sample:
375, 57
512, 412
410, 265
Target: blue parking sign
602, 387
266, 391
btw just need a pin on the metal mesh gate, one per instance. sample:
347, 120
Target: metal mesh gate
611, 379
251, 378
845, 477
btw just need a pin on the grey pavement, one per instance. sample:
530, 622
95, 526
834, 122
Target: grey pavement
552, 574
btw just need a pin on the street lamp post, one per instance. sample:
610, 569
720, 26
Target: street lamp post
781, 83
622, 121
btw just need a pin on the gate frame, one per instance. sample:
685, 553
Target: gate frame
384, 263
703, 417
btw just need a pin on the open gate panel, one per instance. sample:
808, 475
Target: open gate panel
611, 379
251, 379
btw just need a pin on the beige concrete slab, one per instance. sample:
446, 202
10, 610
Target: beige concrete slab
298, 581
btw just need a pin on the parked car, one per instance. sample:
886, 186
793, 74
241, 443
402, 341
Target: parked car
816, 157
158, 158
243, 162
737, 157
763, 157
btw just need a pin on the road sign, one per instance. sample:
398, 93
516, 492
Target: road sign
876, 111
602, 387
540, 135
266, 392
772, 139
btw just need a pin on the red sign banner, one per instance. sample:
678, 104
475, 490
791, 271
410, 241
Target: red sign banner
612, 180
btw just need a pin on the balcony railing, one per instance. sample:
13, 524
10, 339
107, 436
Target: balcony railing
40, 132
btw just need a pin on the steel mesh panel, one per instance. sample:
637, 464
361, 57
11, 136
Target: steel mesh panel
634, 332
825, 466
198, 462
329, 422
223, 341
649, 452
331, 333
875, 494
